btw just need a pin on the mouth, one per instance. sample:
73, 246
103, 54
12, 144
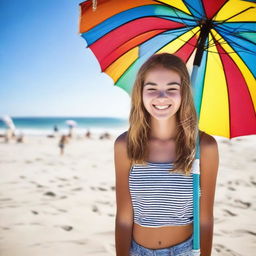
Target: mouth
161, 107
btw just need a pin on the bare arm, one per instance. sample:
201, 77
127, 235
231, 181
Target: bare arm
209, 162
124, 212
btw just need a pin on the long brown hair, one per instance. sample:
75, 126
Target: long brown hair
139, 130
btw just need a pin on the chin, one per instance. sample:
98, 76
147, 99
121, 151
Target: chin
164, 117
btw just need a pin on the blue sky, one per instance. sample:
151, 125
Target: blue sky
46, 69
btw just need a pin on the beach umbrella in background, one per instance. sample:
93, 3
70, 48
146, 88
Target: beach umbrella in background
217, 41
9, 122
71, 123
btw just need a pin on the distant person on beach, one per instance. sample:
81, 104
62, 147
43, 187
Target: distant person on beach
20, 138
155, 160
88, 134
55, 128
105, 135
70, 133
62, 143
9, 134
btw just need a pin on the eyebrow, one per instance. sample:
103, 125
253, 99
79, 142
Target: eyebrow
171, 83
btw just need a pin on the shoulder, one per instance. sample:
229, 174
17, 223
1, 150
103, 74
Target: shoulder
120, 142
207, 143
120, 148
209, 155
121, 139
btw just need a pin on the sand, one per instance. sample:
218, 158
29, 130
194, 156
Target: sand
65, 205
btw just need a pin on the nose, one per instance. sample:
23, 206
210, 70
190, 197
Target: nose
161, 94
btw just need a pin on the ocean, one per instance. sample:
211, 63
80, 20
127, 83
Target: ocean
45, 125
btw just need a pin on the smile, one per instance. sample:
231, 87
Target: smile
158, 107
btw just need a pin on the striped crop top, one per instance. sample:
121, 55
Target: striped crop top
160, 198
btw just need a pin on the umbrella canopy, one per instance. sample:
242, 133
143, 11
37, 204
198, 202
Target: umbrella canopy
216, 36
9, 122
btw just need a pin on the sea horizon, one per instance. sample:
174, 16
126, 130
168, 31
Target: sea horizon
44, 125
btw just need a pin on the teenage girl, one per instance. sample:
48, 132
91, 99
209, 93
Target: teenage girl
153, 161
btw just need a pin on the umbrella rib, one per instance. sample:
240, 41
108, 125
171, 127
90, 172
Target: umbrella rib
230, 30
168, 31
235, 33
219, 10
172, 7
182, 20
237, 54
217, 41
200, 15
234, 16
241, 47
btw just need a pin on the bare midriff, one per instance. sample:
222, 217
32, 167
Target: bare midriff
161, 237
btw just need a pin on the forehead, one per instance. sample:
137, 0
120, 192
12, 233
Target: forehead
162, 74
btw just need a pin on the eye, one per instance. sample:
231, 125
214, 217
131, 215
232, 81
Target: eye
151, 89
172, 89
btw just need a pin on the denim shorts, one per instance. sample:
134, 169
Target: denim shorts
181, 249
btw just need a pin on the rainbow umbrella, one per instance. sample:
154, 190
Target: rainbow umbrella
216, 39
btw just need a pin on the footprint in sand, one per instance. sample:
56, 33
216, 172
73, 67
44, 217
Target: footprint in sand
103, 202
224, 251
242, 204
62, 210
5, 228
102, 189
242, 182
77, 189
252, 181
95, 208
5, 199
62, 179
238, 232
49, 193
229, 213
67, 228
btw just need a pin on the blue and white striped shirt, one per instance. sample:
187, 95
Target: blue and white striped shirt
160, 197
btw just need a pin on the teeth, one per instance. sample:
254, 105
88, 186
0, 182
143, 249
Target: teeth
162, 107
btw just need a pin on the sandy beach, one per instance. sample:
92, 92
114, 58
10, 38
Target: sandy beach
65, 205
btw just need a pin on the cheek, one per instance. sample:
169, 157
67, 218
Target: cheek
146, 99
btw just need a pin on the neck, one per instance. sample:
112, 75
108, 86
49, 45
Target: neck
163, 129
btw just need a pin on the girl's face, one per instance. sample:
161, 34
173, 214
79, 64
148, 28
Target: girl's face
161, 93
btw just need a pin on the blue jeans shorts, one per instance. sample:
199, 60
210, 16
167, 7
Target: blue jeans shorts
181, 249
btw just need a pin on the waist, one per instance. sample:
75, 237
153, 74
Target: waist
161, 237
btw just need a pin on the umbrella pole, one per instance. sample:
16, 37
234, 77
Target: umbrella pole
196, 184
205, 29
